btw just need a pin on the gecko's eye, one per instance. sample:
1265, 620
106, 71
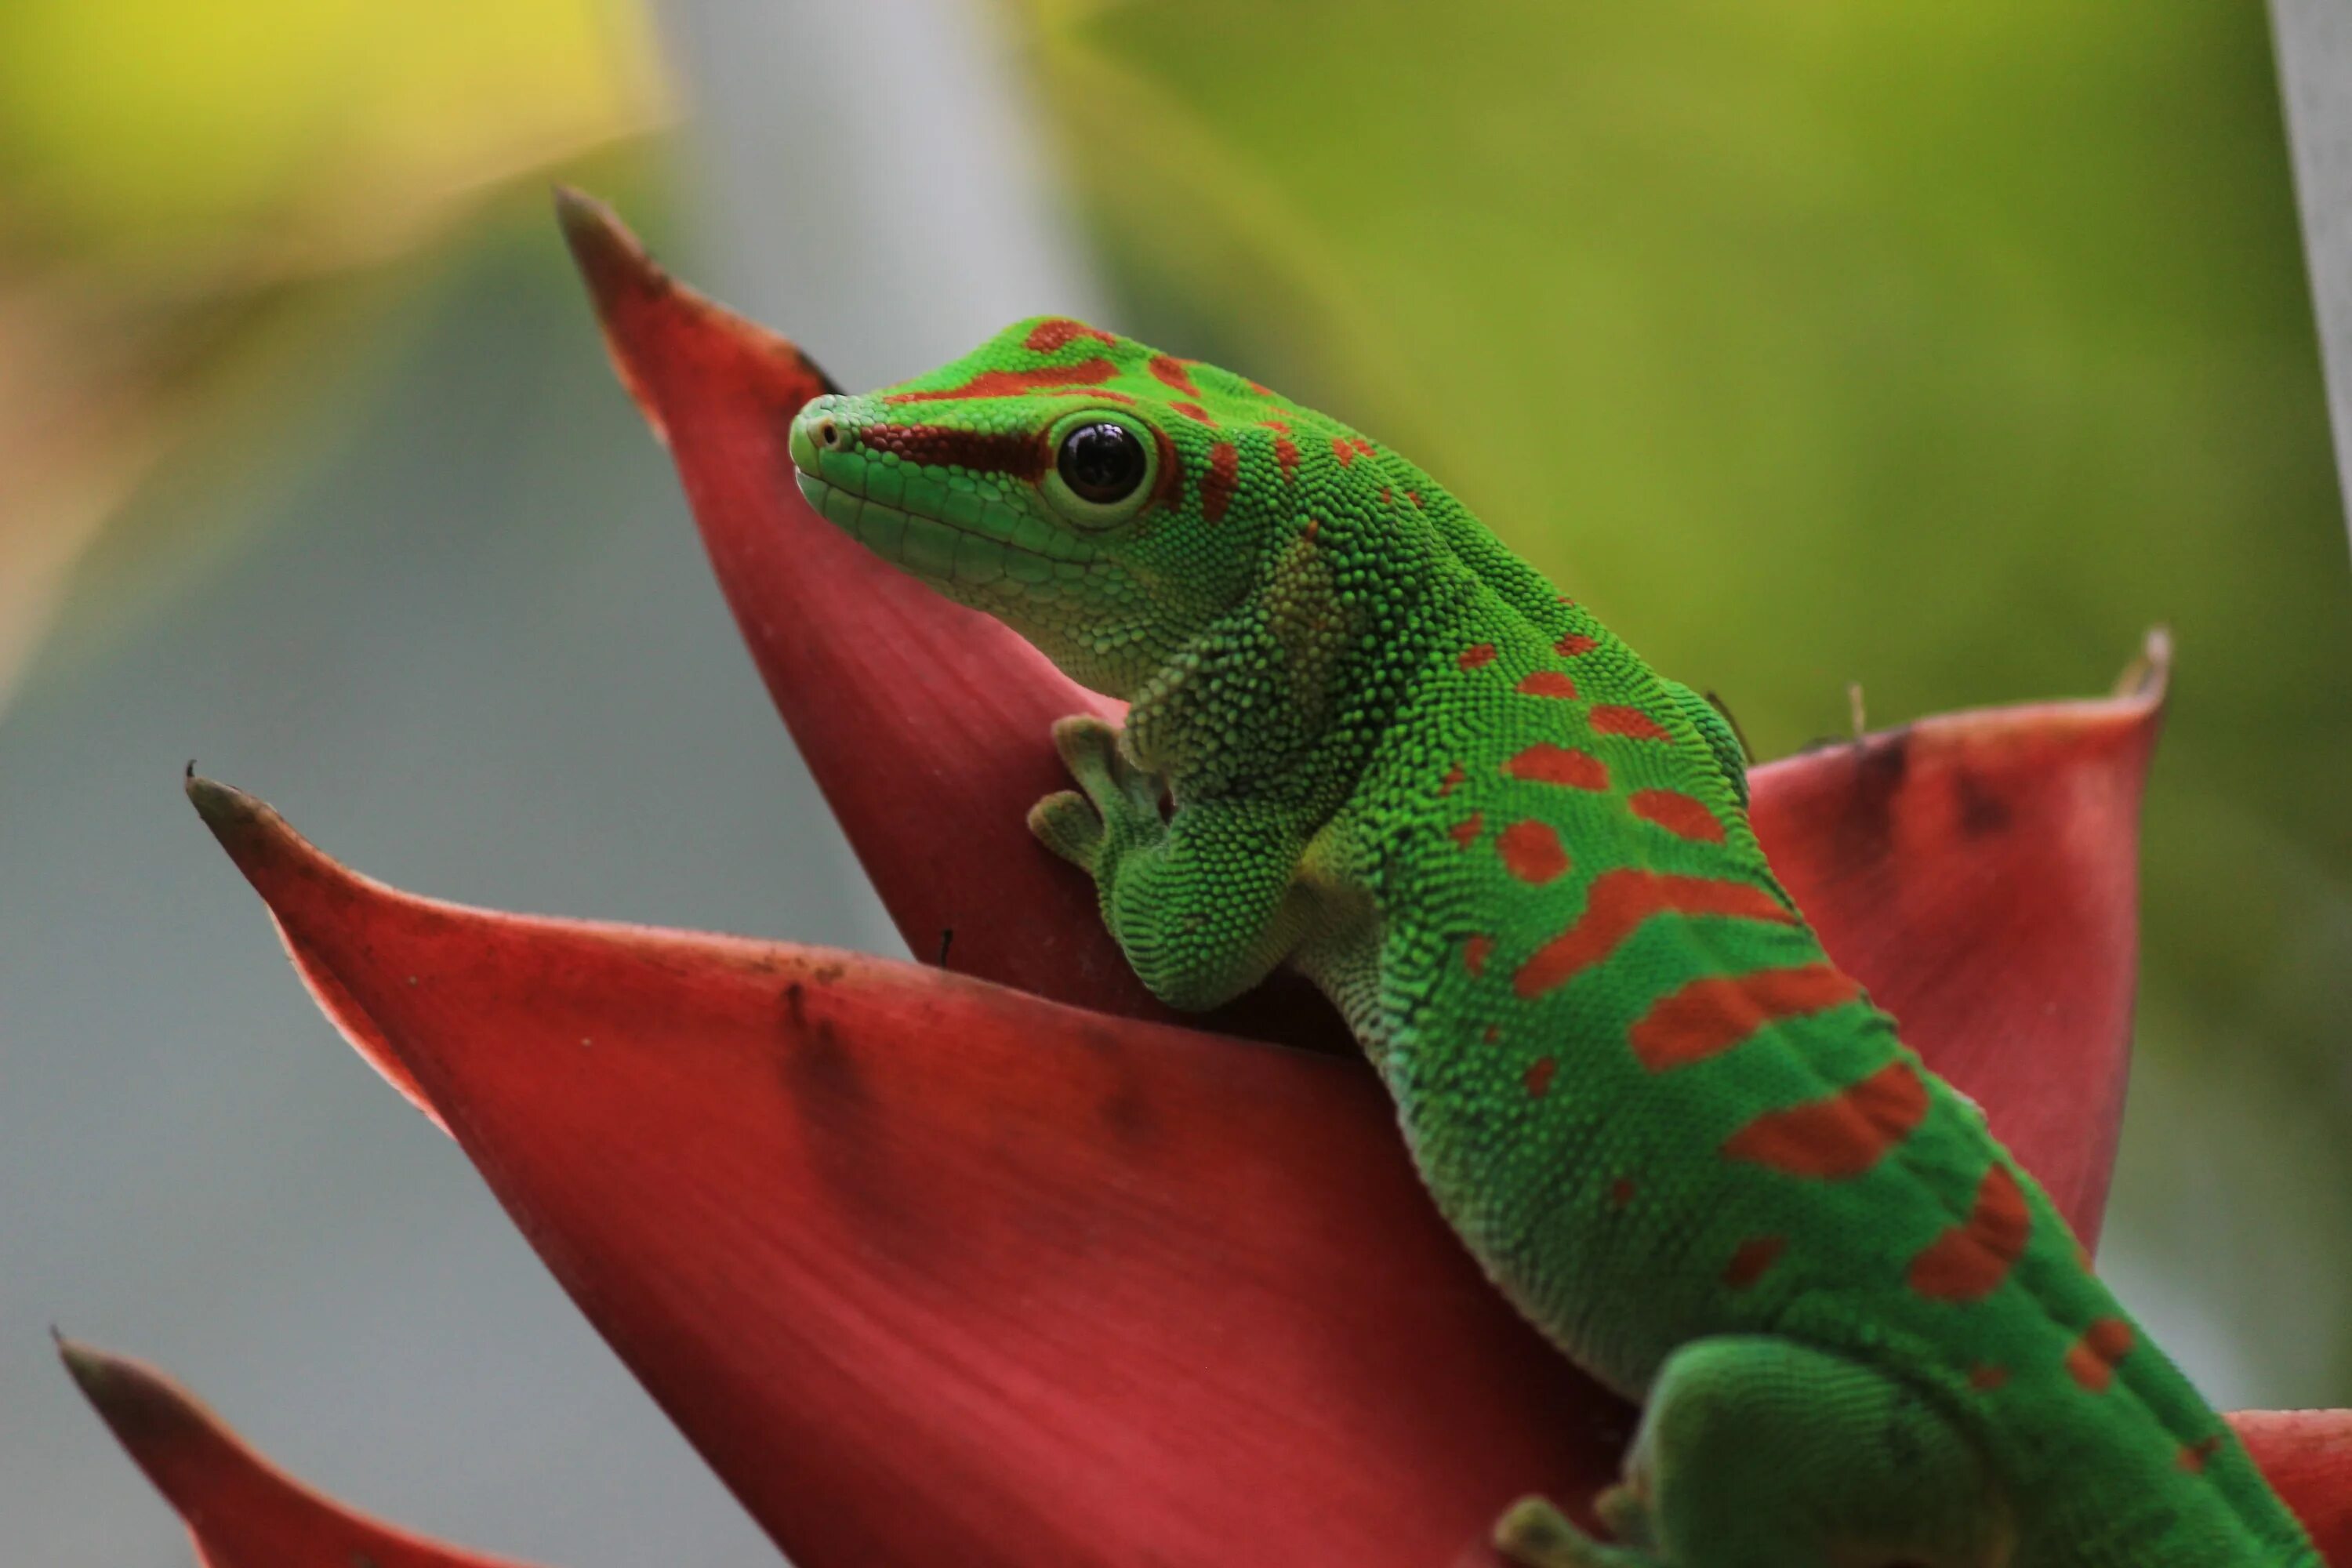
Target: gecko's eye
1103, 463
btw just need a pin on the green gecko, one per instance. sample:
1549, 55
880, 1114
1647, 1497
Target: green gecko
1519, 860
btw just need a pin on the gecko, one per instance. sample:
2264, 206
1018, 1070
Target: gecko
1365, 740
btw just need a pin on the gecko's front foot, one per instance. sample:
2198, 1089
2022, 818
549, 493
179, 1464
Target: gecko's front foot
1114, 810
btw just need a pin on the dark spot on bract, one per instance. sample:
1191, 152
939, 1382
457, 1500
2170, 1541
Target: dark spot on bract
1865, 834
1127, 1111
1983, 812
844, 1131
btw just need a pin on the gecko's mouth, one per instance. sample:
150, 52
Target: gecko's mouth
971, 541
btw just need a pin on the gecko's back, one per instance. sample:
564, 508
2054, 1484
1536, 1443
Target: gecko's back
1658, 1113
1671, 1129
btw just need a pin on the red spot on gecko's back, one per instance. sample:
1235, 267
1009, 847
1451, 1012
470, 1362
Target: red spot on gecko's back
1610, 719
1046, 337
1286, 453
1454, 778
1539, 1075
1474, 954
1465, 832
1574, 643
1172, 372
1839, 1135
1685, 816
2092, 1360
1620, 1192
1013, 382
1217, 485
1531, 852
1753, 1260
1195, 412
1477, 655
1986, 1376
1548, 683
1709, 1015
1543, 762
1969, 1262
2194, 1456
1618, 904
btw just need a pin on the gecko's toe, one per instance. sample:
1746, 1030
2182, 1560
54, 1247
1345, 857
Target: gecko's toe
1067, 822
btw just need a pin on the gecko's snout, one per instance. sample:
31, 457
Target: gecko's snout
816, 430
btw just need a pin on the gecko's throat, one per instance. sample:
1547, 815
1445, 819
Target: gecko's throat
951, 527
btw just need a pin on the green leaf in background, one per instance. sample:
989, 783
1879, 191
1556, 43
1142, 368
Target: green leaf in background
1939, 348
193, 204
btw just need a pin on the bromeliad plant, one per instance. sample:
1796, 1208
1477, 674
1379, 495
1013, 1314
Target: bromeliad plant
1007, 1266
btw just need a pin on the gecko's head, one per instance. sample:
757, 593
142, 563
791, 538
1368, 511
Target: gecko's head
1105, 500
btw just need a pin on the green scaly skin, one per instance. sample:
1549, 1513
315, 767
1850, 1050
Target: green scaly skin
1683, 1142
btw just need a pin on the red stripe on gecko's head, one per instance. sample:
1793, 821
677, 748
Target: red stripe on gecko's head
1048, 336
1013, 383
1169, 491
1171, 373
939, 445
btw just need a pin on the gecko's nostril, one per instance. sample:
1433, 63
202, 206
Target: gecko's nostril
828, 435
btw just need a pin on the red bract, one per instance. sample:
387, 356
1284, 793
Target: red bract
934, 1269
927, 1266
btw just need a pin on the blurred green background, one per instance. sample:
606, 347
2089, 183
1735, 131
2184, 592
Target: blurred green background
1942, 349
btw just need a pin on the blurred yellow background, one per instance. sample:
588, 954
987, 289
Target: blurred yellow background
1942, 349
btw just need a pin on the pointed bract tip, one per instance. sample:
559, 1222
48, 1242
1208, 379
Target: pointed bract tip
618, 269
264, 846
138, 1403
225, 810
611, 259
87, 1363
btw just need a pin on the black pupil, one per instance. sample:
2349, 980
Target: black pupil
1101, 463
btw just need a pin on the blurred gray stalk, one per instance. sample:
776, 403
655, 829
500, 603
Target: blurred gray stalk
2315, 58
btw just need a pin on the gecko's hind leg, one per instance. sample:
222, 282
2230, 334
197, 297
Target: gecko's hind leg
1757, 1452
1537, 1535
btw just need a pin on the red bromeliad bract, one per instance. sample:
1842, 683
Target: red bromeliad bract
1011, 1267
